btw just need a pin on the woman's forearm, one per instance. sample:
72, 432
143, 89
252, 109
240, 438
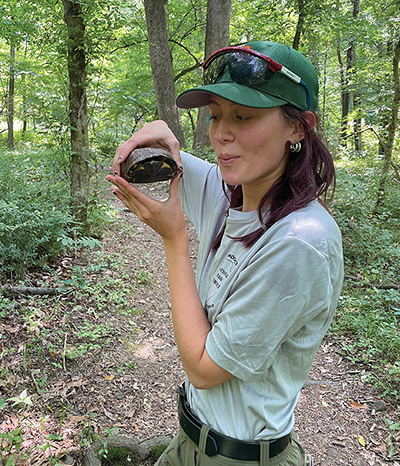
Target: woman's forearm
191, 325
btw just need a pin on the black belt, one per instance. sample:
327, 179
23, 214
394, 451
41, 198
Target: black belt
218, 443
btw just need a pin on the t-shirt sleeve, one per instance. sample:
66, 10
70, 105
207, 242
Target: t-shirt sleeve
284, 294
200, 189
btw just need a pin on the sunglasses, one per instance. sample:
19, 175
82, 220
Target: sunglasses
247, 67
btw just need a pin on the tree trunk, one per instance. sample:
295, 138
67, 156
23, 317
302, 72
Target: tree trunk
387, 144
77, 110
24, 103
300, 24
325, 75
357, 102
161, 66
217, 36
344, 100
10, 110
346, 78
357, 125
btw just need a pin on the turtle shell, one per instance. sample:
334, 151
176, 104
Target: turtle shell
148, 165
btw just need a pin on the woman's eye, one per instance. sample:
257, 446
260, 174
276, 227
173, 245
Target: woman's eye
242, 117
212, 118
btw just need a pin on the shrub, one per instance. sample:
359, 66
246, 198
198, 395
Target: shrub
33, 211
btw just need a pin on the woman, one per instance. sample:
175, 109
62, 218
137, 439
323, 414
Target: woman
270, 265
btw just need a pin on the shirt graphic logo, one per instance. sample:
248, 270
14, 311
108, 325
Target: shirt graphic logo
223, 272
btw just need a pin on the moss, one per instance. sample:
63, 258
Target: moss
121, 456
157, 451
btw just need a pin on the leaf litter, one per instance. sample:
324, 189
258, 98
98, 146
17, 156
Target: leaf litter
113, 363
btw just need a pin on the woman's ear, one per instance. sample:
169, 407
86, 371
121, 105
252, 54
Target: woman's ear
298, 130
311, 119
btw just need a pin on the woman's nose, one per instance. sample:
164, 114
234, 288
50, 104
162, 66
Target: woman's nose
224, 131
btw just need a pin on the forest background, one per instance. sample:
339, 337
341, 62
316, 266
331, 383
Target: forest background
78, 77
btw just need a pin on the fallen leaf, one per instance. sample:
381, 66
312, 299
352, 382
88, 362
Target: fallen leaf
361, 440
355, 405
109, 377
381, 448
76, 419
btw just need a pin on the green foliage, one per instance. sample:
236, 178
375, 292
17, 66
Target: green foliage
207, 154
367, 318
10, 442
368, 313
370, 240
33, 211
98, 282
35, 224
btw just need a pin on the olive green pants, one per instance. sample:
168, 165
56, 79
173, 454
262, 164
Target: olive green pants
183, 452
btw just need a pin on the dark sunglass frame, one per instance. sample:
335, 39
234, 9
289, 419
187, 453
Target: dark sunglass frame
273, 66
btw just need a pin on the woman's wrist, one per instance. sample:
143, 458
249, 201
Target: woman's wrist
176, 243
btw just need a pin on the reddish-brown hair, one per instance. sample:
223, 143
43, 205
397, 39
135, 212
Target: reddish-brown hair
308, 176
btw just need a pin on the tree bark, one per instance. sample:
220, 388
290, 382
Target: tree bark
24, 103
80, 178
300, 24
344, 101
10, 110
357, 125
30, 291
217, 36
161, 66
357, 102
347, 94
387, 144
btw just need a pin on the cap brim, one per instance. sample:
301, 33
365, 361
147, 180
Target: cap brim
241, 95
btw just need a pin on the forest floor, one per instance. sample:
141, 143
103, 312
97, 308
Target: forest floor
128, 386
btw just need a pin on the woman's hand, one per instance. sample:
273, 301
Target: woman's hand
154, 134
164, 217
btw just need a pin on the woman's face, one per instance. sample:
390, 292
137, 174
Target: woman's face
251, 145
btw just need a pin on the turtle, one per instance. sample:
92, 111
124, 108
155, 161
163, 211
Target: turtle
148, 165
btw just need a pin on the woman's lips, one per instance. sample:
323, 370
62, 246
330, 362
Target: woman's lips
227, 159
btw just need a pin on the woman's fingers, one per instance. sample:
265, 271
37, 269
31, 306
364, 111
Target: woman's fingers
165, 217
146, 208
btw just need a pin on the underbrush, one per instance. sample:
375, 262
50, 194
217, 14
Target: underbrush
368, 316
35, 224
33, 211
48, 342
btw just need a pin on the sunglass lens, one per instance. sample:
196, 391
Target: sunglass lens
244, 68
214, 70
248, 70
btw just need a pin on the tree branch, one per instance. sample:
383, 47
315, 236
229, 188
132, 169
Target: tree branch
361, 282
125, 46
31, 291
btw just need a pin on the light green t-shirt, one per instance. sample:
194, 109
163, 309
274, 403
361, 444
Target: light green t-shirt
269, 305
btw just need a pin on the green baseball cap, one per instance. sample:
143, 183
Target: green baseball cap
296, 84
